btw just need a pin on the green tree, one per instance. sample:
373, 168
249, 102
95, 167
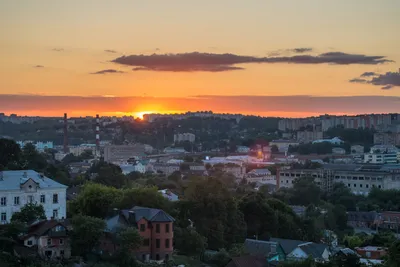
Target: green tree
189, 242
29, 213
31, 159
10, 154
94, 200
393, 259
86, 233
127, 240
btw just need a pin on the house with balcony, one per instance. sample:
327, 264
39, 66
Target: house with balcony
49, 238
155, 227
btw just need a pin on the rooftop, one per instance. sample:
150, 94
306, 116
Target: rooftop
12, 180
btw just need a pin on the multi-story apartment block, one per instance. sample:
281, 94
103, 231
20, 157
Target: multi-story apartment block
358, 178
18, 188
353, 122
122, 153
308, 136
155, 227
184, 137
387, 138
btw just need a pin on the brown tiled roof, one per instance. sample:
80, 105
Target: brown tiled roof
40, 228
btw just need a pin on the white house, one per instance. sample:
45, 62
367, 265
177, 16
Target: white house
318, 252
333, 141
18, 188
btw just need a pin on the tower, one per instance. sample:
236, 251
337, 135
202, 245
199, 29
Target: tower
97, 134
66, 150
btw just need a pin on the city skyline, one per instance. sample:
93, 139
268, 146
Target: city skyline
267, 58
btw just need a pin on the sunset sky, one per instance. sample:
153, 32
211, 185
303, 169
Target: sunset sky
265, 57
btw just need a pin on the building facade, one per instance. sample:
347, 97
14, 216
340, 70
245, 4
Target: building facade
182, 137
18, 188
122, 153
358, 178
155, 227
308, 136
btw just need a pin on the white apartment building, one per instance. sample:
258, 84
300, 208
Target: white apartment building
18, 188
358, 178
184, 137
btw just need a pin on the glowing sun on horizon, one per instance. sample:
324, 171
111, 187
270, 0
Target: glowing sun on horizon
140, 114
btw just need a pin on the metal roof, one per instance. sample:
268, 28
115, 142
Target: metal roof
12, 180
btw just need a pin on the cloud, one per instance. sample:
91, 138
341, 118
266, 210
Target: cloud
292, 106
38, 66
358, 80
110, 51
58, 49
107, 71
301, 49
368, 74
388, 80
213, 62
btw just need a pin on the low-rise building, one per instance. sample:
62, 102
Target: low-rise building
362, 219
358, 178
169, 195
338, 151
49, 238
371, 252
174, 150
182, 137
357, 149
18, 188
283, 145
155, 227
388, 138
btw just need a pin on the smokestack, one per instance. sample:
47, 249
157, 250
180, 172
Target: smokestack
278, 177
97, 133
65, 133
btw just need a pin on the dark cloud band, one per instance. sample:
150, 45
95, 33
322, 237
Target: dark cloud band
196, 61
107, 71
387, 80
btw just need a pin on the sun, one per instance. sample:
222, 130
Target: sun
140, 114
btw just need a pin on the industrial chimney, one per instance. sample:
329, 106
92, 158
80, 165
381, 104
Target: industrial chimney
66, 150
98, 133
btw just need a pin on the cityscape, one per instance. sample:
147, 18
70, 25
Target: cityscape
209, 134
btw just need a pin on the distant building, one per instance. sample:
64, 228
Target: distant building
358, 178
182, 137
174, 150
371, 252
382, 154
18, 188
283, 145
78, 150
338, 150
168, 195
242, 149
333, 141
357, 149
387, 138
308, 136
40, 146
122, 153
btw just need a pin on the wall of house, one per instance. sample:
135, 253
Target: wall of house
162, 251
58, 250
297, 253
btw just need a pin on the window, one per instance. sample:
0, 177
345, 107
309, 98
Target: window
3, 201
367, 185
61, 252
355, 185
167, 243
360, 185
48, 241
157, 228
167, 228
48, 253
348, 185
3, 216
157, 243
30, 199
368, 254
61, 241
157, 257
379, 186
42, 199
55, 214
142, 227
146, 242
55, 198
16, 200
29, 242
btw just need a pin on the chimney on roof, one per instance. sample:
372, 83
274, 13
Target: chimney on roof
25, 175
65, 133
